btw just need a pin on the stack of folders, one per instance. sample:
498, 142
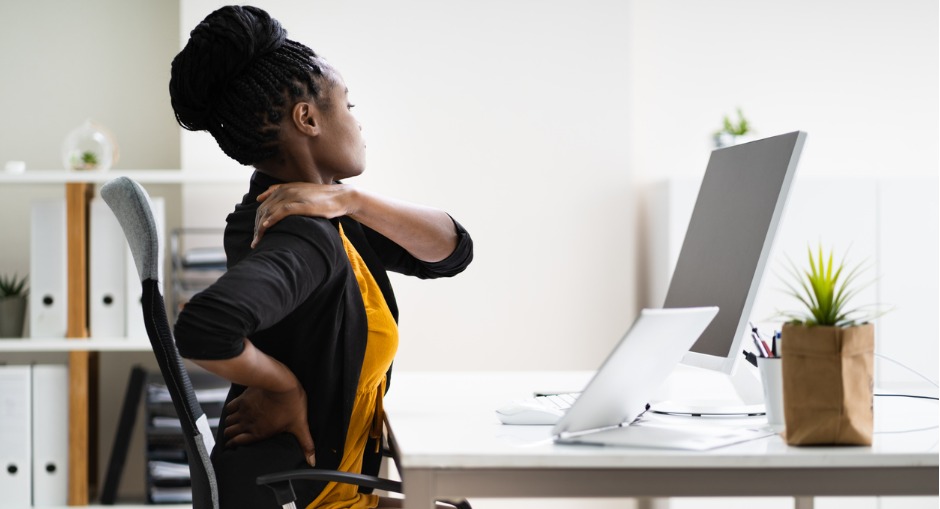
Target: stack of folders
198, 260
33, 435
114, 290
168, 478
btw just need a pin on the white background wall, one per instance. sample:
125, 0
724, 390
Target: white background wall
541, 121
514, 117
859, 76
62, 62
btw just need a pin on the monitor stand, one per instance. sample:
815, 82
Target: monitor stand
702, 392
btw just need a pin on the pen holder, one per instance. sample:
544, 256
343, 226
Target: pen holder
771, 376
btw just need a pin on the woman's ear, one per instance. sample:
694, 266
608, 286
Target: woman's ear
305, 117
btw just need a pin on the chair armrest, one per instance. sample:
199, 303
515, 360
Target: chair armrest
312, 474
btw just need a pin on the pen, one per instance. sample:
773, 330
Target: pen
773, 345
767, 349
759, 344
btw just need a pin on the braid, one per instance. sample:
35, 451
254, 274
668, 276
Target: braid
235, 78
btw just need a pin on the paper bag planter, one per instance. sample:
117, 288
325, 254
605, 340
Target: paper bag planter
828, 378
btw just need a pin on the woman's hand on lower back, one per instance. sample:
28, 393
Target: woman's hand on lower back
257, 414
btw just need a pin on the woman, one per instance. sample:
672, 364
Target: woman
304, 321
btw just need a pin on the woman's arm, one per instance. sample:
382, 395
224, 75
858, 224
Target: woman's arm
427, 233
253, 295
273, 401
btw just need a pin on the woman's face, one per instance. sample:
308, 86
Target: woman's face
342, 151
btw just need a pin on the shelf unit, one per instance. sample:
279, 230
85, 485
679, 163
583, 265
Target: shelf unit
164, 436
82, 350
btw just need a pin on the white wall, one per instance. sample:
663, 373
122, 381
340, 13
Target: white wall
861, 77
536, 122
513, 116
64, 62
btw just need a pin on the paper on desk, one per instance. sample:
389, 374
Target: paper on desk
685, 433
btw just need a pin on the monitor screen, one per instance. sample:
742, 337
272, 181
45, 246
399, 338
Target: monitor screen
729, 239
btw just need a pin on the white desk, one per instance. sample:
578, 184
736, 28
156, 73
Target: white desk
451, 445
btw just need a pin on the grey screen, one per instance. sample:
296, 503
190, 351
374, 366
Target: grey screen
730, 235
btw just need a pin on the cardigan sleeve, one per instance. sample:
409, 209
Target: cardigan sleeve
257, 292
397, 259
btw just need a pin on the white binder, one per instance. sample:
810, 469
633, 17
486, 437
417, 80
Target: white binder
48, 270
15, 468
135, 314
50, 435
106, 273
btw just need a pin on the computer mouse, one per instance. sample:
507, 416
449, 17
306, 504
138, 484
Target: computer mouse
528, 412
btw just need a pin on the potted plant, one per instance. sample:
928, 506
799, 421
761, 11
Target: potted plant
827, 350
732, 133
13, 293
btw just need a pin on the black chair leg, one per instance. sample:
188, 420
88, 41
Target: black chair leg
461, 504
284, 493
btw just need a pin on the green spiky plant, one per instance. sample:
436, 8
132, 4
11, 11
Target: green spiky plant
825, 289
740, 128
13, 286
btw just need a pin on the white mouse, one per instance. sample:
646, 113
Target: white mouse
528, 412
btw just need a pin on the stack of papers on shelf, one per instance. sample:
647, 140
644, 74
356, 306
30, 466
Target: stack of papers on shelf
158, 393
174, 423
167, 470
165, 495
204, 257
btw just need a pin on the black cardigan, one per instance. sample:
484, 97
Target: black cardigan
297, 299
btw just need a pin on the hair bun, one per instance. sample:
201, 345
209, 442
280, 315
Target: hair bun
219, 49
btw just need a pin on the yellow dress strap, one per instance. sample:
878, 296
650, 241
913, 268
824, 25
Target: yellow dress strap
368, 415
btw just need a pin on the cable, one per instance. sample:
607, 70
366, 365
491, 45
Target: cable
899, 431
906, 396
889, 359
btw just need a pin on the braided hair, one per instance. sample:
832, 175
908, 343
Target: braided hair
236, 77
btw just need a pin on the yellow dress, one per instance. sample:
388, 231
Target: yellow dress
366, 420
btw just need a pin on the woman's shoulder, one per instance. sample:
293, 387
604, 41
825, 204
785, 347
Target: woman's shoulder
316, 229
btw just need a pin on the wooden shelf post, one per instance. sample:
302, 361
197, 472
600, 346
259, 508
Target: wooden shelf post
77, 196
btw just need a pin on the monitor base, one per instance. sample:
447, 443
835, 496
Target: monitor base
695, 391
707, 409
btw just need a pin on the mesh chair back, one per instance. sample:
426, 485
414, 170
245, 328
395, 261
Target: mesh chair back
131, 206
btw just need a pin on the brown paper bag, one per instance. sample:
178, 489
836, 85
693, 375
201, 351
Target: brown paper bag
828, 374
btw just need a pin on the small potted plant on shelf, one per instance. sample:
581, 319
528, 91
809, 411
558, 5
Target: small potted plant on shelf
13, 293
827, 350
732, 133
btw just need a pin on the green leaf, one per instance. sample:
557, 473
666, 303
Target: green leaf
825, 288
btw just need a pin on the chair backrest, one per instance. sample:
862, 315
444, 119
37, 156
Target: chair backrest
131, 205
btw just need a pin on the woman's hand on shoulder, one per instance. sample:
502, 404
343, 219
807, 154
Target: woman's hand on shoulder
301, 199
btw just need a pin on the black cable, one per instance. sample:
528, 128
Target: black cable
907, 396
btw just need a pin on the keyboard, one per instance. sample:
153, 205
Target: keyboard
561, 401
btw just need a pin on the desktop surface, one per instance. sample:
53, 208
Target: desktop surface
450, 445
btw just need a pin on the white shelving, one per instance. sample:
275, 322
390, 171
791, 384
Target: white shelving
74, 344
233, 175
79, 187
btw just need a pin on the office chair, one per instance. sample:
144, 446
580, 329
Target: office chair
131, 205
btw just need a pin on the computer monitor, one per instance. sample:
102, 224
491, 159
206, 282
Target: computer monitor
728, 242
